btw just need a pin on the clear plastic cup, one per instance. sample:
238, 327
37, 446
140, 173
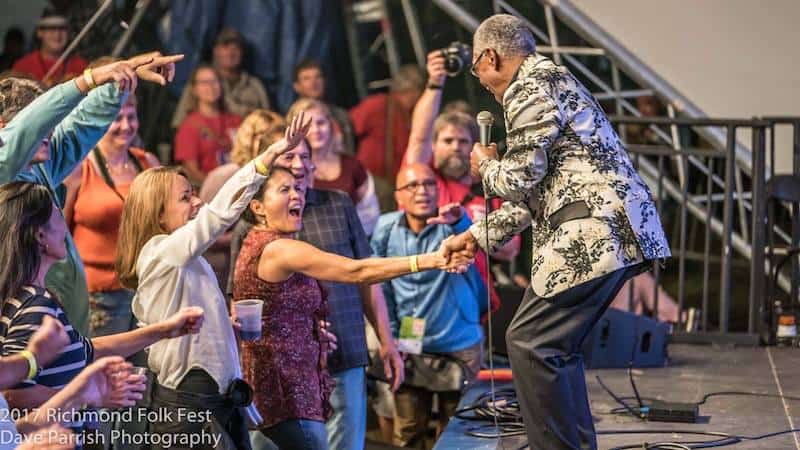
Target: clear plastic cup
249, 314
138, 370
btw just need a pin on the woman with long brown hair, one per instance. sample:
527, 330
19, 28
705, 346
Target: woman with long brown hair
165, 231
32, 239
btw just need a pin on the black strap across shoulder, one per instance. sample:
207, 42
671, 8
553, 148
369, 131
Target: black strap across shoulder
101, 163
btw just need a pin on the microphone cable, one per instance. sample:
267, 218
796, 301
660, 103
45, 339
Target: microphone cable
487, 205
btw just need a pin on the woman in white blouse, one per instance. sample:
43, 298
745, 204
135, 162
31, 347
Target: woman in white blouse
163, 235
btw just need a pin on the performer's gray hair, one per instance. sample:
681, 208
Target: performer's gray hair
505, 34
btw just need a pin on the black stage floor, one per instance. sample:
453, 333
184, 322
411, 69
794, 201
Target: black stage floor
693, 372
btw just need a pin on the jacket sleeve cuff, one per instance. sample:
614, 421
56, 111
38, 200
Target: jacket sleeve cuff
483, 168
478, 231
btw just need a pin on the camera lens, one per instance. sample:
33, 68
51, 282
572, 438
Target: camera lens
453, 65
457, 57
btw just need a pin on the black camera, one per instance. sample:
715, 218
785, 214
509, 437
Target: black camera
457, 57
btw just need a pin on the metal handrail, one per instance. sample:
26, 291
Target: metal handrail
640, 72
690, 121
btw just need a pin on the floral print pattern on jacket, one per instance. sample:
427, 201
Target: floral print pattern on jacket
562, 149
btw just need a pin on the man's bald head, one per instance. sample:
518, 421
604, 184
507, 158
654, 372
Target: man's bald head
415, 190
412, 172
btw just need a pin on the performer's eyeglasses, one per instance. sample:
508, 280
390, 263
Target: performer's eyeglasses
428, 185
472, 69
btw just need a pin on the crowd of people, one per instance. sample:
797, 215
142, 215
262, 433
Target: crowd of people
126, 254
344, 223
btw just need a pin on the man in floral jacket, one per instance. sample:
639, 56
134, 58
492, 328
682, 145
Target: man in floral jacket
567, 175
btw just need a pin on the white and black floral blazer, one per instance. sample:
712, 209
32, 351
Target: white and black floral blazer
567, 175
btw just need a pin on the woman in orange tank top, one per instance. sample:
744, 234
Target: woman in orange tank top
95, 195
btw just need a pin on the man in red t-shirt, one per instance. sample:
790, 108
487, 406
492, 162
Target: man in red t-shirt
445, 143
53, 33
381, 123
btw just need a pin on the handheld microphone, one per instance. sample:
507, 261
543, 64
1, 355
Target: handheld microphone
485, 121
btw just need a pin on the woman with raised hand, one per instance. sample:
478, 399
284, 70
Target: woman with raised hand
245, 148
287, 365
32, 235
165, 230
45, 138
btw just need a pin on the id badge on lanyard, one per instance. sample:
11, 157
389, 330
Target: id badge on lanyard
412, 330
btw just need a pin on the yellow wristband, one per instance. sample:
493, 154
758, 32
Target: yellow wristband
413, 264
260, 167
87, 77
33, 367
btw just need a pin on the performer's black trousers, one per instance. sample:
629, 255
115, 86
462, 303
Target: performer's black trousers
544, 342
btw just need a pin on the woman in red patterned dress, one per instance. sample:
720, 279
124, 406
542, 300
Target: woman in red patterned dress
287, 366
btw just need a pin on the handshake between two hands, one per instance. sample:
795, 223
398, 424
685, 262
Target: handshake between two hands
458, 252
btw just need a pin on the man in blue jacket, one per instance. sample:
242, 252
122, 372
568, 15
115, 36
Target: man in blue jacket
449, 304
44, 136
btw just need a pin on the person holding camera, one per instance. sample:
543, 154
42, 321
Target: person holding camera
444, 141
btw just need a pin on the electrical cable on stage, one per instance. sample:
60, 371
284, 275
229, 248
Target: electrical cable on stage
618, 399
502, 408
725, 438
753, 394
644, 406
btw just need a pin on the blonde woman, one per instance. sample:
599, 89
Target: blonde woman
163, 235
334, 169
32, 233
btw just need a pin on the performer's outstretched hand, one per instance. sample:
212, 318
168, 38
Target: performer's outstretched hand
463, 245
457, 254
